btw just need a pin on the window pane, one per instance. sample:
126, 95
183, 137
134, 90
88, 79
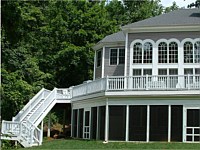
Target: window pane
188, 52
173, 71
98, 58
162, 71
137, 72
173, 52
188, 71
162, 52
197, 71
147, 71
113, 56
197, 52
121, 56
137, 53
147, 58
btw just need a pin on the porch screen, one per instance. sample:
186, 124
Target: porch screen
74, 127
93, 123
80, 123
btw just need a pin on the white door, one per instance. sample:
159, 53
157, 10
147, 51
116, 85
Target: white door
86, 126
192, 124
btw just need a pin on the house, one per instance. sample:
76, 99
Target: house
146, 87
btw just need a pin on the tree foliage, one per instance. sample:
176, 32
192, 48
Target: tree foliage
49, 43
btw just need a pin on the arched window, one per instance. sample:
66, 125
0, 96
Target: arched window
173, 52
137, 53
188, 52
197, 52
147, 55
162, 52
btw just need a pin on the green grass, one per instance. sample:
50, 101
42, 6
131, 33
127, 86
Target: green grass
84, 144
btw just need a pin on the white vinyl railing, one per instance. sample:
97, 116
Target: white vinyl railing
31, 104
10, 128
121, 83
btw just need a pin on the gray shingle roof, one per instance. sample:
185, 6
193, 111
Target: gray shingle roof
183, 17
115, 37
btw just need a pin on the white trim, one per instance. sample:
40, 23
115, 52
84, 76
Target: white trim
126, 56
127, 122
169, 123
103, 62
97, 128
148, 123
106, 121
160, 29
94, 73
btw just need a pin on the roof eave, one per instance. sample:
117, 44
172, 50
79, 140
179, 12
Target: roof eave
102, 44
161, 28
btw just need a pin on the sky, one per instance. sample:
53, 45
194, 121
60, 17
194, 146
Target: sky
180, 3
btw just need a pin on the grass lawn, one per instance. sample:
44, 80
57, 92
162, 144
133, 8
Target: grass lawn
84, 144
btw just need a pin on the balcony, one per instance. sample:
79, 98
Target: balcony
137, 83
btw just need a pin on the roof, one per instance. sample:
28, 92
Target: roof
183, 17
179, 18
115, 37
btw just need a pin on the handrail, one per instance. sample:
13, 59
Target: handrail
31, 104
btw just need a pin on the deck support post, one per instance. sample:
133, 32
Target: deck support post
49, 125
41, 134
127, 122
148, 122
106, 121
169, 123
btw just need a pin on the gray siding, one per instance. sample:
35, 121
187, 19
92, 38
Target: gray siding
98, 72
165, 35
157, 36
112, 70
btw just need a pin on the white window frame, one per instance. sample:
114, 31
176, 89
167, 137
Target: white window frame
117, 56
97, 54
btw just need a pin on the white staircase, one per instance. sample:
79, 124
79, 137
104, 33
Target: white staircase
23, 127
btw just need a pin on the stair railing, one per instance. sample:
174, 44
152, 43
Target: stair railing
40, 110
10, 128
31, 104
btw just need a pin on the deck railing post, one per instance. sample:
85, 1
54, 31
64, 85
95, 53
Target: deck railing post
107, 83
147, 82
188, 80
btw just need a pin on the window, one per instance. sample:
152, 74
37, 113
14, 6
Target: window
147, 56
99, 58
162, 52
168, 71
188, 52
167, 54
137, 53
173, 52
140, 72
142, 53
197, 52
117, 56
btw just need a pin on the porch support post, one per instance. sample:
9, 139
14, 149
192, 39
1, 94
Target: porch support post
127, 122
97, 133
169, 123
184, 123
77, 134
148, 122
49, 125
64, 120
106, 121
41, 134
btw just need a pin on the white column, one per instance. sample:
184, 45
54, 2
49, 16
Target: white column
148, 122
106, 122
103, 62
184, 123
169, 123
95, 55
180, 65
155, 60
126, 55
77, 122
41, 134
127, 122
49, 125
97, 129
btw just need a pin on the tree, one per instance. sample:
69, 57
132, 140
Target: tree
196, 4
171, 8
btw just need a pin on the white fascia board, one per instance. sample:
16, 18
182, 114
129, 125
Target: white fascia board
161, 29
108, 44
